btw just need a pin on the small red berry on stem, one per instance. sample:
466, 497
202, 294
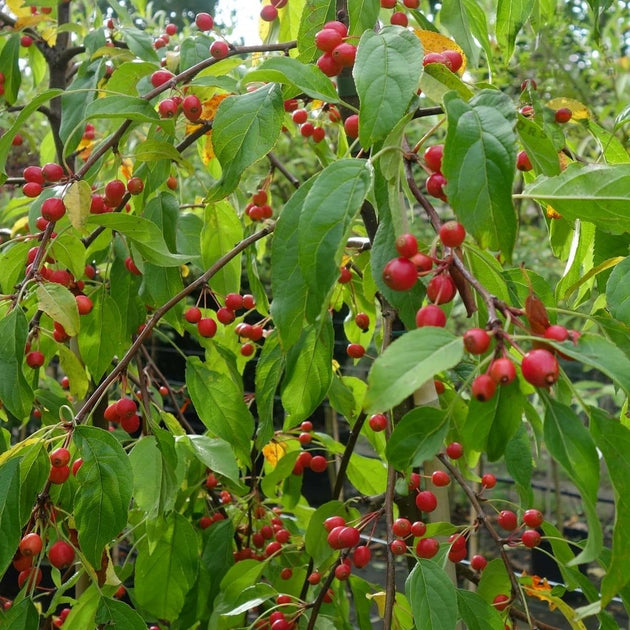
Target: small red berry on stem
563, 115
483, 387
426, 501
507, 520
454, 450
530, 538
452, 234
430, 315
476, 340
540, 368
407, 245
488, 480
433, 157
533, 518
440, 478
502, 371
400, 274
427, 547
378, 422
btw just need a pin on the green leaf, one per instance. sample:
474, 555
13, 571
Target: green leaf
68, 249
104, 490
122, 106
271, 363
454, 16
216, 454
617, 292
74, 370
119, 615
519, 463
244, 130
144, 234
437, 80
102, 323
34, 471
10, 522
329, 209
9, 62
15, 392
432, 597
417, 437
153, 150
83, 613
494, 580
572, 446
476, 613
166, 567
125, 291
12, 264
314, 15
154, 481
539, 146
613, 440
219, 402
288, 284
407, 363
21, 616
598, 193
490, 425
306, 78
222, 230
612, 148
57, 301
251, 597
308, 373
362, 15
140, 43
481, 139
367, 474
601, 354
386, 73
511, 17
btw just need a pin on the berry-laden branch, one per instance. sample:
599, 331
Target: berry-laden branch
91, 402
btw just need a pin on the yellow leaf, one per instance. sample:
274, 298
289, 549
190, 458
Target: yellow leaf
540, 589
435, 42
379, 600
185, 271
21, 225
15, 450
207, 153
17, 8
127, 168
29, 20
564, 159
209, 107
552, 214
77, 199
579, 111
274, 452
49, 34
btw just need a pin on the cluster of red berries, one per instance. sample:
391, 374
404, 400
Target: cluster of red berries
307, 129
165, 37
258, 209
36, 178
452, 59
343, 537
532, 520
338, 53
125, 413
436, 181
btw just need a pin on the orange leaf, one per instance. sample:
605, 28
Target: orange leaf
274, 452
536, 314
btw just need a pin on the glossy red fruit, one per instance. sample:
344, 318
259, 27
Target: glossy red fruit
135, 186
31, 544
483, 387
338, 26
478, 563
455, 58
328, 39
433, 157
342, 572
114, 192
452, 234
60, 457
507, 520
488, 480
35, 359
299, 117
52, 172
414, 481
219, 49
204, 21
361, 556
349, 537
249, 302
533, 518
418, 528
76, 464
160, 77
435, 185
32, 189
426, 501
61, 554
435, 57
351, 126
440, 478
563, 115
427, 547
191, 106
530, 538
398, 18
501, 602
225, 315
362, 320
167, 108
388, 4
59, 474
234, 301
422, 262
457, 555
476, 340
540, 368
430, 315
21, 563
523, 162
268, 13
334, 521
192, 314
407, 245
556, 333
327, 64
454, 450
411, 4
355, 350
33, 174
441, 289
130, 424
400, 274
401, 527
378, 422
502, 371
344, 54
33, 576
84, 304
207, 327
53, 209
398, 547
316, 577
319, 464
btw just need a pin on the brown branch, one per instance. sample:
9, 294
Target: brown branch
276, 163
423, 112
